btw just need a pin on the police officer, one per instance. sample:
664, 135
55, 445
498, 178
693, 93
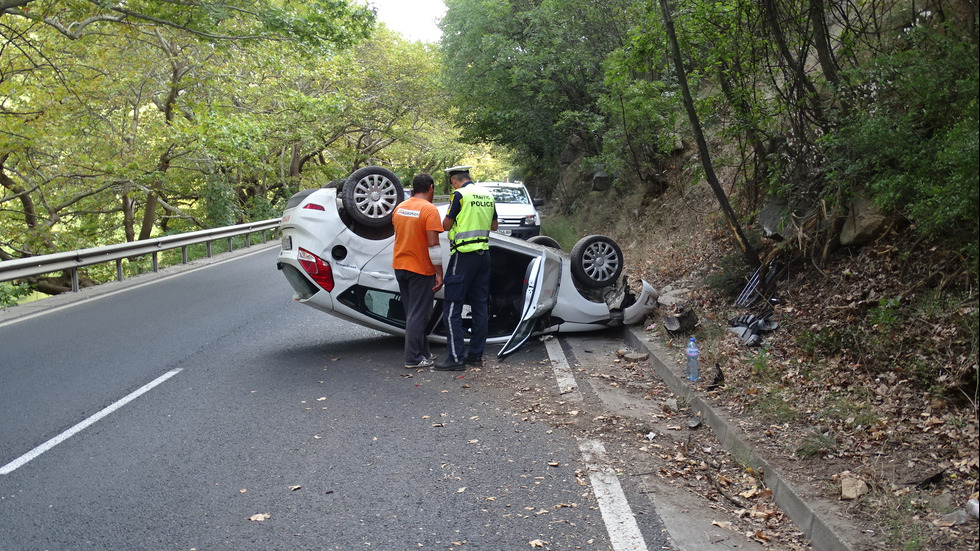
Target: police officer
470, 219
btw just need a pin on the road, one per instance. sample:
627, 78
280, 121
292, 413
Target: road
202, 409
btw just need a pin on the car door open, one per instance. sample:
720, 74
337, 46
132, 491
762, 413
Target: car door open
540, 292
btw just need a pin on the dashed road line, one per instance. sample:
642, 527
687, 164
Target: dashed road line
33, 454
624, 533
567, 386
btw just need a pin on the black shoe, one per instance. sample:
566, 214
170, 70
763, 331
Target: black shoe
449, 365
474, 360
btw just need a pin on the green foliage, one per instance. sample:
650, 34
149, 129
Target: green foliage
142, 128
775, 404
886, 316
640, 108
816, 444
561, 229
762, 368
12, 293
220, 207
314, 23
912, 139
528, 74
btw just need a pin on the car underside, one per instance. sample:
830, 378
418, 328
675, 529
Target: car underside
337, 259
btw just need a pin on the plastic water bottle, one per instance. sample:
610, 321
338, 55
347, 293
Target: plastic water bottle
691, 372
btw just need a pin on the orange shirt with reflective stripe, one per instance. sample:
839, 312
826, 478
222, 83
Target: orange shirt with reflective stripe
412, 218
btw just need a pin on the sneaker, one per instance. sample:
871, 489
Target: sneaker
474, 360
428, 362
450, 365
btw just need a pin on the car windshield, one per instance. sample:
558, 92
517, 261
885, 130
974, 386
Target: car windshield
509, 195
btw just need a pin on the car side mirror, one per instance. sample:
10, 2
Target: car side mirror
537, 202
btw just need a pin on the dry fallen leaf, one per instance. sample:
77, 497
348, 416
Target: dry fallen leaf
722, 524
294, 488
537, 543
259, 517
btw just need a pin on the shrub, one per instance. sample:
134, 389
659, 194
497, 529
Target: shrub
912, 137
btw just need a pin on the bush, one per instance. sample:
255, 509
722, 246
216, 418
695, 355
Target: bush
912, 138
12, 293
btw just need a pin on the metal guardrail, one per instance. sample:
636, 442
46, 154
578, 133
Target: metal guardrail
73, 260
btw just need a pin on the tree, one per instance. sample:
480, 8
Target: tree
319, 23
528, 74
146, 129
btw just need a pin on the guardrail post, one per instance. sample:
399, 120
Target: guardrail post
119, 270
183, 254
156, 264
248, 240
229, 244
209, 249
74, 279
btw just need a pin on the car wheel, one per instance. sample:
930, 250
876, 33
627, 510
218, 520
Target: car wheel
545, 240
371, 194
597, 261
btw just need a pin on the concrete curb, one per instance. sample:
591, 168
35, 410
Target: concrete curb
822, 537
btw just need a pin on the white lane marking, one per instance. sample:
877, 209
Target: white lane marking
624, 533
567, 386
33, 454
82, 300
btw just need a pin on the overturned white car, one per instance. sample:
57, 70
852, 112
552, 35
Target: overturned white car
337, 250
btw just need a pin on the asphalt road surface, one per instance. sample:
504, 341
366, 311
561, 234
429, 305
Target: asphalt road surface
201, 409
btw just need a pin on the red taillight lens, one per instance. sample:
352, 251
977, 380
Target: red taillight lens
318, 269
314, 206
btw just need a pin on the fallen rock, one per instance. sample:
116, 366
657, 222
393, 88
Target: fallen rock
636, 356
852, 488
865, 222
673, 298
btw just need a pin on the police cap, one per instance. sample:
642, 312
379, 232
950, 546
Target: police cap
454, 170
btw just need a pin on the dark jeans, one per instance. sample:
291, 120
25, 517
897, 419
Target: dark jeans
416, 290
467, 281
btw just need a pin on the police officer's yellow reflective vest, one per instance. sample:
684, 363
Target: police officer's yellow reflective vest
471, 231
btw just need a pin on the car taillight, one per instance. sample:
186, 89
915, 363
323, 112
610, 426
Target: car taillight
318, 269
314, 206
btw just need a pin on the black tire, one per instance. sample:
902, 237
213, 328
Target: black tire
597, 261
545, 240
371, 194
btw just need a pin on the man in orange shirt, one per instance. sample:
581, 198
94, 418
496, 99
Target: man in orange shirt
417, 260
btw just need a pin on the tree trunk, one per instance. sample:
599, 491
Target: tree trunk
796, 67
149, 215
129, 217
821, 41
751, 256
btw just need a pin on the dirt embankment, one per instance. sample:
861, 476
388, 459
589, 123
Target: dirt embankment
867, 378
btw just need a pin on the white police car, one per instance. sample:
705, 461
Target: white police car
337, 250
517, 215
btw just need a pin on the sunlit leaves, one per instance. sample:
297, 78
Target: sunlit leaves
315, 23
